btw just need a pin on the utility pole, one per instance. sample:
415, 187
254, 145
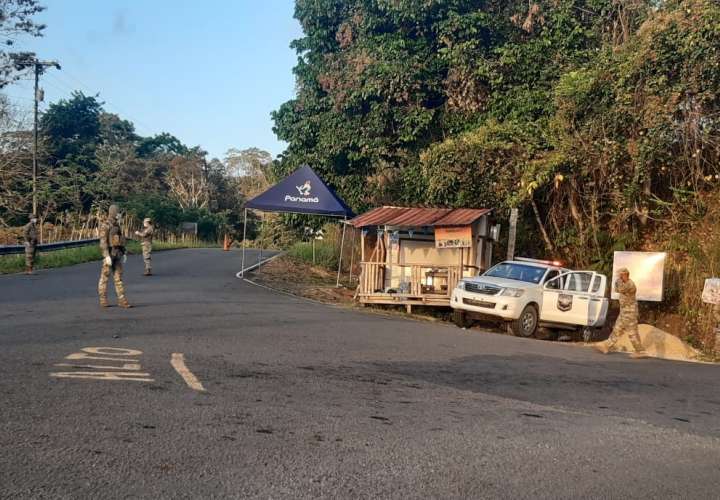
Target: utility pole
38, 66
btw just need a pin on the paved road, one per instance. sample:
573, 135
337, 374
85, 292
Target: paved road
307, 401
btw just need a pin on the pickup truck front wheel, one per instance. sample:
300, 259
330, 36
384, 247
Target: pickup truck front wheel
460, 318
527, 323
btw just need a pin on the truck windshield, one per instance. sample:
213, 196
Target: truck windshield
519, 272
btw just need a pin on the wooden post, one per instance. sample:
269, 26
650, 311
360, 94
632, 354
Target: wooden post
512, 233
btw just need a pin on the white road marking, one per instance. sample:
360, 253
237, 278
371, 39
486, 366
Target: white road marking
178, 362
84, 355
112, 351
127, 368
135, 376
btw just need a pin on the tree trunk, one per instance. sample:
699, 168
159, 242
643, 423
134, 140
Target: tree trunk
548, 243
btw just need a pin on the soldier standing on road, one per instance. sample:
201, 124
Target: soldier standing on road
147, 236
627, 321
112, 246
30, 236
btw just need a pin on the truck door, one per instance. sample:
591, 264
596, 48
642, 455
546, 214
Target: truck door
598, 301
570, 299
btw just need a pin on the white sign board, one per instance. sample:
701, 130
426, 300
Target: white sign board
711, 292
647, 270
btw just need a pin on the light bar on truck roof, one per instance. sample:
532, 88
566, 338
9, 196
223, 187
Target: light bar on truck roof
556, 263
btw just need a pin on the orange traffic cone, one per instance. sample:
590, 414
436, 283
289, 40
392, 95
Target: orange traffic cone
227, 243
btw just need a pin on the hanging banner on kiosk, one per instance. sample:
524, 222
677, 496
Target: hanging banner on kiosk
453, 237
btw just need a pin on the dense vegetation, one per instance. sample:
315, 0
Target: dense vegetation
599, 119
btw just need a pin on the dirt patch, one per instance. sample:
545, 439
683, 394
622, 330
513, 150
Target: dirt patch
304, 280
661, 344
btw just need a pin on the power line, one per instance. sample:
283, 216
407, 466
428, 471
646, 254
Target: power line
67, 87
113, 107
16, 97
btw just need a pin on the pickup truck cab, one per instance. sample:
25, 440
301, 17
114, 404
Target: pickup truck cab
527, 293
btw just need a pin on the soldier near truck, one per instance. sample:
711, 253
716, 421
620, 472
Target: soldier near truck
30, 239
627, 321
112, 246
146, 238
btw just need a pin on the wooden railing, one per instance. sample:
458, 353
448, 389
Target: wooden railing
422, 280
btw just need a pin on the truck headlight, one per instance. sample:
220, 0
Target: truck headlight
461, 285
512, 292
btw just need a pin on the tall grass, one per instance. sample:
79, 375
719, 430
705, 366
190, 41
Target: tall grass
327, 250
72, 256
326, 254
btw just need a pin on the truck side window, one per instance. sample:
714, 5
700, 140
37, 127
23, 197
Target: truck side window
579, 282
554, 284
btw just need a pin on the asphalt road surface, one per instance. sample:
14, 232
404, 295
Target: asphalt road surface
303, 400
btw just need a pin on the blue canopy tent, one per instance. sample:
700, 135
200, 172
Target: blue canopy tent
303, 192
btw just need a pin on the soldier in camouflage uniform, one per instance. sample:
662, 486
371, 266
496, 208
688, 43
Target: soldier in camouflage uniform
112, 246
146, 236
30, 236
627, 321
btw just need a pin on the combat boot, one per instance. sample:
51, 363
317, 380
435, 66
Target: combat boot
602, 347
122, 302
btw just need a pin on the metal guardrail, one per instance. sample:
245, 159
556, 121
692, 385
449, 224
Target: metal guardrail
47, 247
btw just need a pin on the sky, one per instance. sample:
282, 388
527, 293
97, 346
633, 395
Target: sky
208, 72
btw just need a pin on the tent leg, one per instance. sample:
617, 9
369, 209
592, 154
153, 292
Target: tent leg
342, 246
352, 255
242, 270
262, 228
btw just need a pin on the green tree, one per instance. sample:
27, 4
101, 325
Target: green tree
72, 131
160, 145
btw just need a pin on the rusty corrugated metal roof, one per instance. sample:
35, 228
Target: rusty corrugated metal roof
377, 216
418, 217
462, 216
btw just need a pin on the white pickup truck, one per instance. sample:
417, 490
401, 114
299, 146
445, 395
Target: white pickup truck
527, 293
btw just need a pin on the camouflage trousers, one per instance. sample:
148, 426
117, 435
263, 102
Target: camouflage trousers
117, 271
30, 255
147, 256
626, 324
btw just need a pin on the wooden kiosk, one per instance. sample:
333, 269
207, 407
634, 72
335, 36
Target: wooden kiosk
416, 256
